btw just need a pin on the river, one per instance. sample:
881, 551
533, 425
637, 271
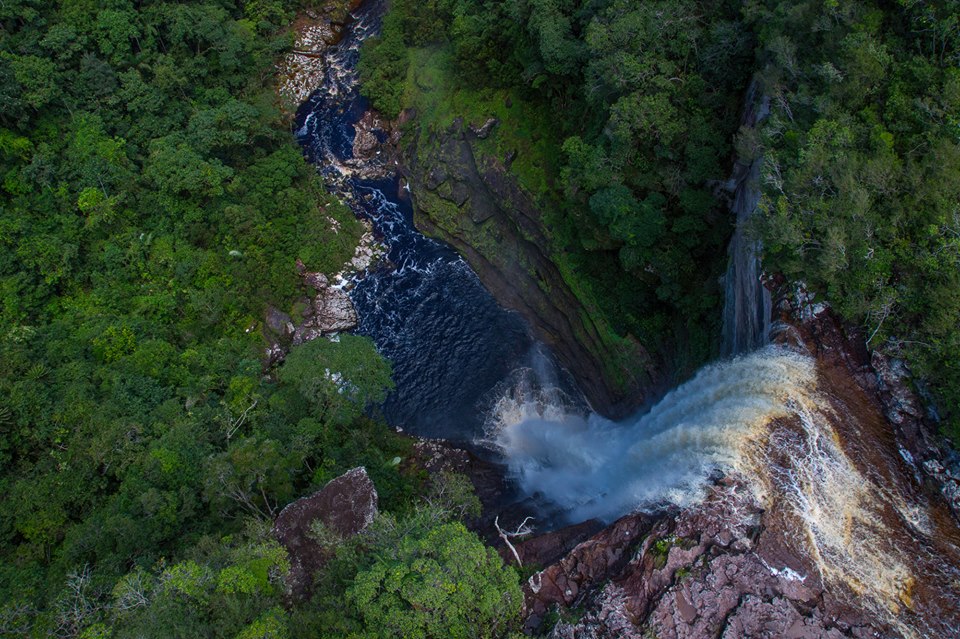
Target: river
453, 348
815, 455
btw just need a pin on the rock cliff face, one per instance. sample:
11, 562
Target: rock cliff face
737, 566
472, 202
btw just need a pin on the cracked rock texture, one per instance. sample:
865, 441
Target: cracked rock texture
345, 507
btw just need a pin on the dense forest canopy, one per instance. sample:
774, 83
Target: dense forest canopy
861, 164
153, 204
861, 171
643, 99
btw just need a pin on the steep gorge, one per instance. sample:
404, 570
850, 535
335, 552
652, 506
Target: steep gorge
472, 201
789, 493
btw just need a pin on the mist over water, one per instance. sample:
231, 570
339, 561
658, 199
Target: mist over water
594, 467
809, 460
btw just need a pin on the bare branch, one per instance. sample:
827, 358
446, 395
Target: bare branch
522, 530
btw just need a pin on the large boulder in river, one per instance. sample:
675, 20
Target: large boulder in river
310, 527
371, 132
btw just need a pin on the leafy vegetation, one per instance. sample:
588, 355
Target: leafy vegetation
421, 574
153, 204
641, 100
861, 170
619, 117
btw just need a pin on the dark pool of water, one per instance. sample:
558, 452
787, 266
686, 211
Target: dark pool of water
451, 344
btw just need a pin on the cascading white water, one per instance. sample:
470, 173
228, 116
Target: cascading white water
764, 418
597, 468
747, 304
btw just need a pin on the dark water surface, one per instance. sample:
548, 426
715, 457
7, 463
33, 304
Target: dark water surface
451, 344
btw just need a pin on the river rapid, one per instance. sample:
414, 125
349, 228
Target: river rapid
452, 346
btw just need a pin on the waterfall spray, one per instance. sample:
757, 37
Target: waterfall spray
766, 419
598, 468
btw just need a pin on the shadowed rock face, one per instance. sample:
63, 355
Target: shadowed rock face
473, 203
345, 507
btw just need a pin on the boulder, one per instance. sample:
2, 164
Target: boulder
316, 281
370, 131
334, 311
484, 130
279, 323
345, 507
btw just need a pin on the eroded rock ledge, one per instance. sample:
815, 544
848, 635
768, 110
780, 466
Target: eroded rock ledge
732, 567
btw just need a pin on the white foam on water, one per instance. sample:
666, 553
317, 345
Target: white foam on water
760, 416
598, 468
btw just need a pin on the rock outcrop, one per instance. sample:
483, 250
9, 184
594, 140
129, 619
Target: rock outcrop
301, 71
330, 310
734, 566
308, 527
373, 135
472, 202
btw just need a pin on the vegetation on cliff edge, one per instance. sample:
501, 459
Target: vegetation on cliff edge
861, 162
619, 125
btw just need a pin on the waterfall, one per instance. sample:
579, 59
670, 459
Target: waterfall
747, 304
808, 449
602, 469
814, 463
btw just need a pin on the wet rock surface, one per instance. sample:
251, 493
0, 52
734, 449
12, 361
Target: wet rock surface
374, 135
302, 70
344, 507
734, 567
886, 381
709, 571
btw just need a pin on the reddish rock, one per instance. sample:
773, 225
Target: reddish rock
548, 548
732, 567
346, 506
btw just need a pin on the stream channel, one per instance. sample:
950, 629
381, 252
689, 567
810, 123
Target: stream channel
454, 349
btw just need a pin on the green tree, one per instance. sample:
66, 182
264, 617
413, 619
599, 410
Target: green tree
441, 583
338, 378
